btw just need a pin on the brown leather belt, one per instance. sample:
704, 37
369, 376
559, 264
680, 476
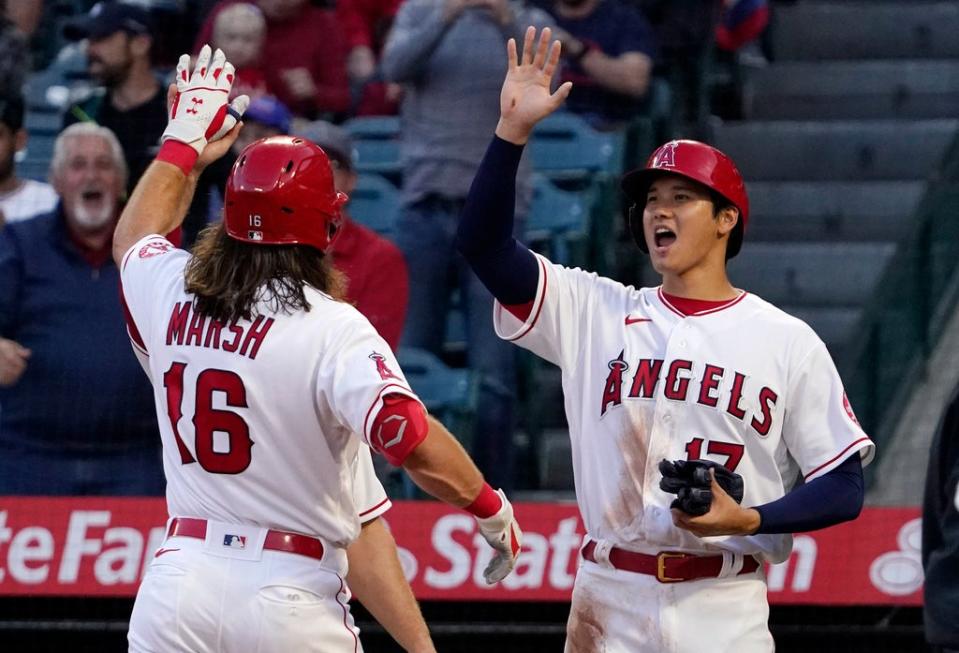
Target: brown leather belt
668, 566
275, 540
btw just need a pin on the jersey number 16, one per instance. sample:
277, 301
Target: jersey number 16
207, 420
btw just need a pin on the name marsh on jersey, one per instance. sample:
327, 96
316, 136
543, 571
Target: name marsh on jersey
189, 328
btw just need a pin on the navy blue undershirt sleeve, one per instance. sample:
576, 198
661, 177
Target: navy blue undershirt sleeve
485, 233
834, 497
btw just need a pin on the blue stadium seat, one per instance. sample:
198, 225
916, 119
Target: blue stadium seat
577, 157
376, 140
564, 146
449, 394
42, 128
560, 220
375, 203
47, 94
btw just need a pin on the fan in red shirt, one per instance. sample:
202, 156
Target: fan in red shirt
366, 24
307, 53
378, 283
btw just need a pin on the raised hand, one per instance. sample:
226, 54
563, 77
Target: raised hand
223, 140
199, 113
526, 98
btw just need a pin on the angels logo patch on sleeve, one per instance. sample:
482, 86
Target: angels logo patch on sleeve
381, 367
155, 248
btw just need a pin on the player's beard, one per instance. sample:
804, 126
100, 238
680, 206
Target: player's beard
94, 219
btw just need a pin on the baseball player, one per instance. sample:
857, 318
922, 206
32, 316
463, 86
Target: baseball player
655, 378
268, 388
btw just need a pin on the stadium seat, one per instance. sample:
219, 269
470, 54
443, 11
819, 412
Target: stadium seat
575, 156
47, 94
376, 140
449, 394
560, 220
564, 146
375, 203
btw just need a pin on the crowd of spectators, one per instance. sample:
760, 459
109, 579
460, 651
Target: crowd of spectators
308, 66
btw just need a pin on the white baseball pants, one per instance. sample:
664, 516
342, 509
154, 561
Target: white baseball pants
616, 611
204, 597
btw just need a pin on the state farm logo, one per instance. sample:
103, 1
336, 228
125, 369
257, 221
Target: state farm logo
548, 560
899, 573
116, 555
154, 248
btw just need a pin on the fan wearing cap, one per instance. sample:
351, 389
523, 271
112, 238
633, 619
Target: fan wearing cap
695, 368
131, 101
266, 116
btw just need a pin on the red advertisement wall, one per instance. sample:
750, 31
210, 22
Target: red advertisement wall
100, 546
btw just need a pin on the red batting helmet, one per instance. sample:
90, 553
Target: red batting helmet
698, 162
280, 192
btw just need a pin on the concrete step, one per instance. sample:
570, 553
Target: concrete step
913, 89
811, 274
860, 30
828, 151
876, 211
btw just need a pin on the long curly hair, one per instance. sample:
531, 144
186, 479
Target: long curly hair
230, 278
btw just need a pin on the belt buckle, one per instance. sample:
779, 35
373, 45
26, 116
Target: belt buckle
661, 558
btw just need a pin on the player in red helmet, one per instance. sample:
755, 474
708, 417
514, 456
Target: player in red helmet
694, 407
696, 162
270, 392
288, 176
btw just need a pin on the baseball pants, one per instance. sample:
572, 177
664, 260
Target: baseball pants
615, 611
205, 597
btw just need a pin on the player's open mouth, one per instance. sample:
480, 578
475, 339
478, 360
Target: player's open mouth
91, 195
664, 237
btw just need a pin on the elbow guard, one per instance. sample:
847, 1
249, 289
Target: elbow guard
398, 428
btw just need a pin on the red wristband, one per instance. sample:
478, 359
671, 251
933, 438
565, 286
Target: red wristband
179, 154
486, 504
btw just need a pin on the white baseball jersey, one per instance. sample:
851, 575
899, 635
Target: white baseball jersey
263, 422
745, 385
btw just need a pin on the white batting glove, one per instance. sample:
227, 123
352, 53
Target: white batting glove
503, 534
200, 112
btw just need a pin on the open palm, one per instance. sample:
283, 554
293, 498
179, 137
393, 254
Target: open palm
526, 98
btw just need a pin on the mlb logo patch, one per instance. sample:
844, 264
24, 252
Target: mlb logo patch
234, 541
254, 235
